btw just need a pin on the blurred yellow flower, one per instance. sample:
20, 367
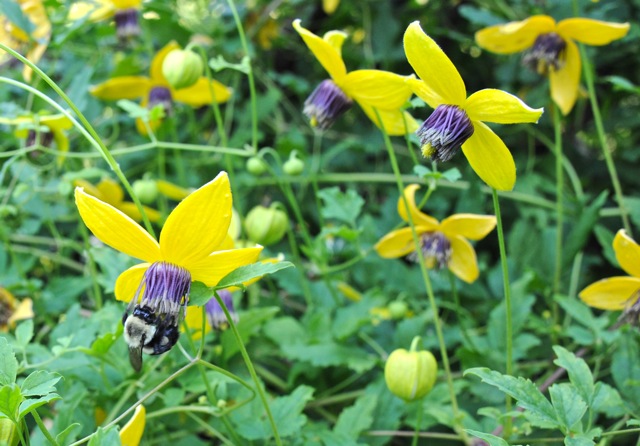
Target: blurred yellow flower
124, 12
31, 42
550, 48
12, 310
55, 126
372, 89
442, 243
457, 120
131, 433
330, 6
156, 90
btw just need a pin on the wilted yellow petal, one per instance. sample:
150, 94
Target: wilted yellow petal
491, 105
565, 81
471, 226
323, 50
463, 261
627, 252
131, 433
592, 32
614, 293
514, 37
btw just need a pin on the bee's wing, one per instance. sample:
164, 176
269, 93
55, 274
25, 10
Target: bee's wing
135, 356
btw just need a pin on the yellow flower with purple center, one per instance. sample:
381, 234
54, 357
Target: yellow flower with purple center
12, 310
550, 48
621, 292
155, 89
458, 121
44, 129
443, 244
124, 13
379, 93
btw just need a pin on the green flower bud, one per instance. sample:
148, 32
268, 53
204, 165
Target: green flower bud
266, 226
256, 166
145, 190
398, 309
8, 432
410, 375
182, 68
294, 165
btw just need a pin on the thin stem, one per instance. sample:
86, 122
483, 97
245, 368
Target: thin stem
43, 428
507, 301
416, 437
458, 307
557, 132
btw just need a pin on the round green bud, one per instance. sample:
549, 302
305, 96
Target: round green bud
256, 166
266, 225
145, 190
293, 166
182, 68
397, 309
410, 375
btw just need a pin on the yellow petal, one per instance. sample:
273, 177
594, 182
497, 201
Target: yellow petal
214, 267
129, 281
172, 191
122, 87
627, 252
335, 39
156, 64
471, 226
97, 10
443, 84
396, 122
490, 158
325, 51
397, 243
491, 105
514, 37
463, 261
613, 293
199, 224
131, 433
56, 122
24, 311
330, 6
110, 191
89, 188
380, 89
419, 218
132, 211
592, 32
199, 94
116, 229
126, 4
193, 319
565, 81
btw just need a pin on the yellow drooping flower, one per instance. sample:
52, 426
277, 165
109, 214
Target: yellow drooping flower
374, 90
156, 90
550, 48
457, 120
131, 433
30, 42
124, 12
12, 310
54, 125
442, 243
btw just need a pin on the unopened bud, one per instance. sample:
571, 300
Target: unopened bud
182, 68
294, 165
410, 375
397, 309
256, 166
266, 225
145, 190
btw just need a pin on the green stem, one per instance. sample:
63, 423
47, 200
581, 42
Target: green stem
602, 138
416, 437
507, 301
557, 132
458, 307
43, 428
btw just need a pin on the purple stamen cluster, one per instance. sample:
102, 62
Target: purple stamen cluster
444, 132
161, 96
547, 52
127, 23
165, 289
215, 315
326, 104
436, 250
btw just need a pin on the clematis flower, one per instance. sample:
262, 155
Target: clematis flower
194, 246
622, 292
124, 12
457, 120
156, 90
11, 310
131, 433
372, 89
31, 42
550, 48
442, 243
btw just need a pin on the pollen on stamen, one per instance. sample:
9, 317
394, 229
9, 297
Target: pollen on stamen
444, 132
326, 104
435, 248
547, 53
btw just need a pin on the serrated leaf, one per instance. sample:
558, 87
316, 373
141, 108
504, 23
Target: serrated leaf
524, 391
239, 276
248, 326
491, 439
607, 400
578, 440
625, 370
353, 420
8, 363
452, 174
31, 404
343, 206
568, 404
10, 399
578, 371
331, 354
39, 382
24, 333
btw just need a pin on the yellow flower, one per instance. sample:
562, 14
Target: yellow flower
131, 433
551, 48
156, 90
457, 120
372, 89
32, 43
194, 245
125, 13
330, 6
618, 293
443, 243
12, 311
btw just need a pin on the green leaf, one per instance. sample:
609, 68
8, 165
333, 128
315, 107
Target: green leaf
69, 433
343, 206
133, 109
524, 391
107, 437
578, 440
219, 64
249, 272
10, 399
578, 371
13, 11
605, 238
491, 439
581, 228
625, 370
248, 326
353, 420
607, 400
8, 363
622, 84
452, 174
40, 382
331, 354
31, 404
568, 404
199, 294
103, 343
24, 333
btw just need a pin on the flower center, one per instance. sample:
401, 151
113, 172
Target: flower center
444, 132
161, 96
6, 310
127, 23
631, 313
215, 315
165, 290
44, 139
436, 250
326, 104
547, 52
